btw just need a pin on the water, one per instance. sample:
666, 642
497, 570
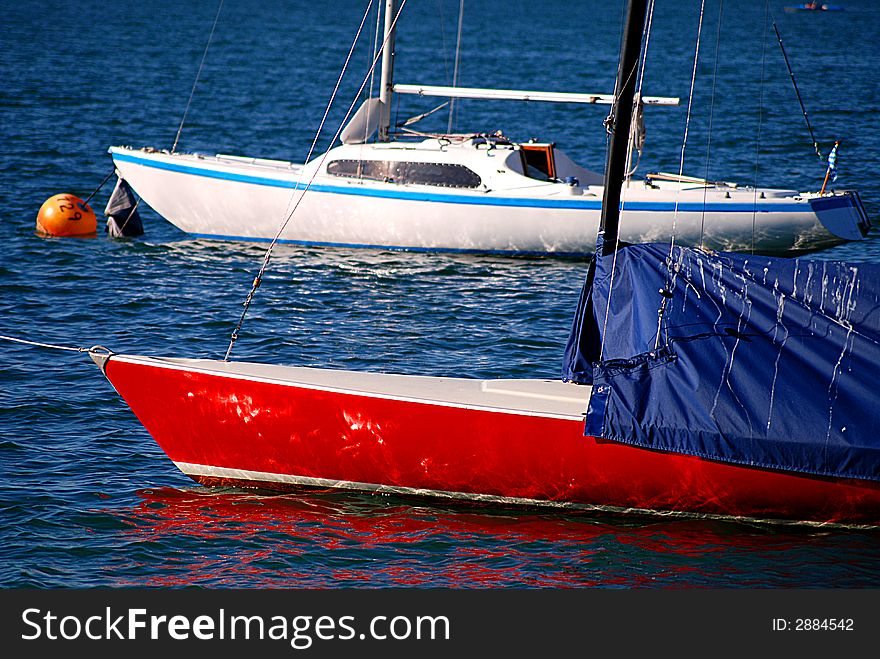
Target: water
88, 499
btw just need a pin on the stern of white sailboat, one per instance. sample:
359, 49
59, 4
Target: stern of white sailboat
843, 214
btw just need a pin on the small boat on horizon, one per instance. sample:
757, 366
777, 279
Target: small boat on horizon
813, 6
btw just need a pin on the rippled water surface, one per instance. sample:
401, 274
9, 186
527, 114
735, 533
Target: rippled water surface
88, 499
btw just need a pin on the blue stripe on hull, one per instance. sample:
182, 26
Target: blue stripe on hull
575, 204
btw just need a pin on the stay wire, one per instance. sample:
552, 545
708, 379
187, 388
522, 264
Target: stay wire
711, 117
797, 92
687, 121
665, 292
288, 212
455, 66
608, 122
258, 279
760, 124
198, 75
443, 46
374, 44
631, 169
648, 29
615, 101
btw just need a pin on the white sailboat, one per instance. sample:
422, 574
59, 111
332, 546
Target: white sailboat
468, 192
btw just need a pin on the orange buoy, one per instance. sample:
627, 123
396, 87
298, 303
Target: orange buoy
66, 215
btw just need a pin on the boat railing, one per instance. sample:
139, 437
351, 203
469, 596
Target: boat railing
260, 162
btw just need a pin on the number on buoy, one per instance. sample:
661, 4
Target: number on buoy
66, 215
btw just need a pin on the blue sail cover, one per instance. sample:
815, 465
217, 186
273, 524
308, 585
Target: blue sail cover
766, 362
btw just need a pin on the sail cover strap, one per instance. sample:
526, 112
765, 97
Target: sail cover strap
763, 362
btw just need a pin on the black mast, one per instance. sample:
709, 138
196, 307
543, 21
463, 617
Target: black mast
621, 114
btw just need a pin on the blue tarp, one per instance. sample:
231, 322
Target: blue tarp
768, 362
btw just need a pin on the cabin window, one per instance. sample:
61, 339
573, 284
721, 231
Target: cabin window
538, 161
374, 170
415, 173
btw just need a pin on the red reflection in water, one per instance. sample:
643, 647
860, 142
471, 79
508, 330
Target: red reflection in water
221, 538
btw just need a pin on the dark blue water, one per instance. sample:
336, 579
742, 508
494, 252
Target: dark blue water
88, 499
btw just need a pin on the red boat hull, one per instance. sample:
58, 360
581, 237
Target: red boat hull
222, 429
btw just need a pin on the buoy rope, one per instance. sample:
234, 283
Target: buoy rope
100, 185
289, 216
198, 75
55, 346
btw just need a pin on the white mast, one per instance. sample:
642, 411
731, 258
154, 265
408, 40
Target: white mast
386, 83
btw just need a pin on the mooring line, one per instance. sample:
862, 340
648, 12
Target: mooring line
100, 185
55, 346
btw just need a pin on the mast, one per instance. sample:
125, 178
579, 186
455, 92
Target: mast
621, 113
386, 81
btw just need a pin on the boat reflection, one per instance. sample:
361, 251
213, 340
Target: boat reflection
232, 538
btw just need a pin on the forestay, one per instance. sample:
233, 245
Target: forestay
760, 361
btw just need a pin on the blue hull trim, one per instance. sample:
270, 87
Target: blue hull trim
574, 204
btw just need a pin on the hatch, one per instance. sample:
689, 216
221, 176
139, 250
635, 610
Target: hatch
538, 160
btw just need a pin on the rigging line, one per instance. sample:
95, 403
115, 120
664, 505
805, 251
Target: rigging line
443, 42
287, 212
672, 268
455, 66
608, 122
797, 92
711, 117
419, 117
198, 75
258, 279
374, 45
687, 121
333, 98
631, 169
268, 255
612, 112
760, 124
648, 27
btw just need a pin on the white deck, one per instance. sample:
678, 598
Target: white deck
546, 398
